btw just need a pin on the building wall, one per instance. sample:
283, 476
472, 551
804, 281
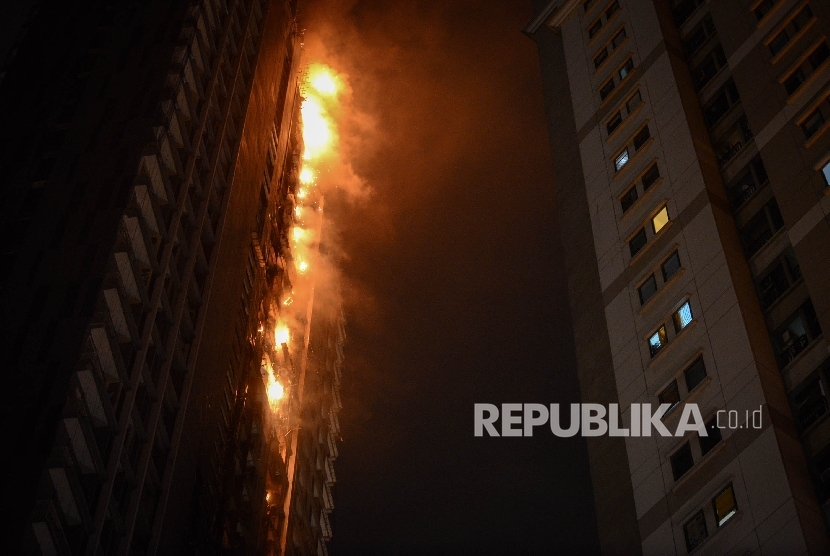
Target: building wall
775, 498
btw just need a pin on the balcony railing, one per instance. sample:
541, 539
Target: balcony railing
791, 350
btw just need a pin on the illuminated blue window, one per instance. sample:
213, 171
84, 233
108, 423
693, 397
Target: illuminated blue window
682, 317
657, 341
826, 172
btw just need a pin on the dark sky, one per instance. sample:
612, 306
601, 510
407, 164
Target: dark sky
453, 287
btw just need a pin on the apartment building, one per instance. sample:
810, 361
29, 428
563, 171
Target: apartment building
149, 179
695, 231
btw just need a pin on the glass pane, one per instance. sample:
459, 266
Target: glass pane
660, 220
713, 438
681, 461
650, 176
683, 317
670, 395
826, 172
695, 530
627, 200
657, 341
725, 506
695, 374
637, 242
648, 289
671, 266
621, 160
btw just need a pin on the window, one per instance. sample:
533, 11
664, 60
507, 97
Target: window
637, 242
725, 506
586, 5
779, 42
813, 61
594, 29
640, 139
763, 8
647, 289
601, 57
810, 403
708, 67
670, 395
614, 122
825, 171
650, 176
681, 461
761, 227
699, 35
812, 123
657, 341
618, 39
670, 266
635, 101
695, 374
626, 69
660, 220
606, 89
798, 331
612, 9
682, 317
621, 160
713, 437
628, 199
695, 531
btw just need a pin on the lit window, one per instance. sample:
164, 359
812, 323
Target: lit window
695, 374
628, 198
637, 242
626, 69
660, 219
682, 317
657, 341
648, 289
695, 531
621, 160
670, 395
671, 266
681, 461
713, 437
650, 176
826, 173
725, 506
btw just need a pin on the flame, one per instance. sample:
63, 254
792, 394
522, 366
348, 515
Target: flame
298, 233
302, 193
303, 266
317, 128
274, 390
281, 334
306, 176
323, 80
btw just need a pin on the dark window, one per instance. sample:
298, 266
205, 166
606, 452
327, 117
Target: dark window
628, 198
796, 334
601, 57
810, 404
650, 176
618, 39
794, 81
657, 341
635, 101
626, 69
695, 531
801, 19
647, 289
586, 5
695, 374
637, 242
813, 123
713, 439
670, 395
671, 266
764, 8
594, 29
725, 506
681, 461
606, 89
779, 42
613, 123
773, 286
612, 9
819, 55
641, 138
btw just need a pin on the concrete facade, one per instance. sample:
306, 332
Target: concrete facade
611, 70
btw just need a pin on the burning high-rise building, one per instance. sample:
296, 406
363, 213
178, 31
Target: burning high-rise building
692, 162
172, 387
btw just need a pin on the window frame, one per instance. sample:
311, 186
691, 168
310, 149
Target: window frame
676, 317
721, 521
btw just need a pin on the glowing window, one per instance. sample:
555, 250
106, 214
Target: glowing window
826, 173
657, 341
683, 317
621, 160
660, 219
725, 506
626, 69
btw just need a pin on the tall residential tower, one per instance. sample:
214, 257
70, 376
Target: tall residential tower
691, 153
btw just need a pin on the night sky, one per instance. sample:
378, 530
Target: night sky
453, 286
